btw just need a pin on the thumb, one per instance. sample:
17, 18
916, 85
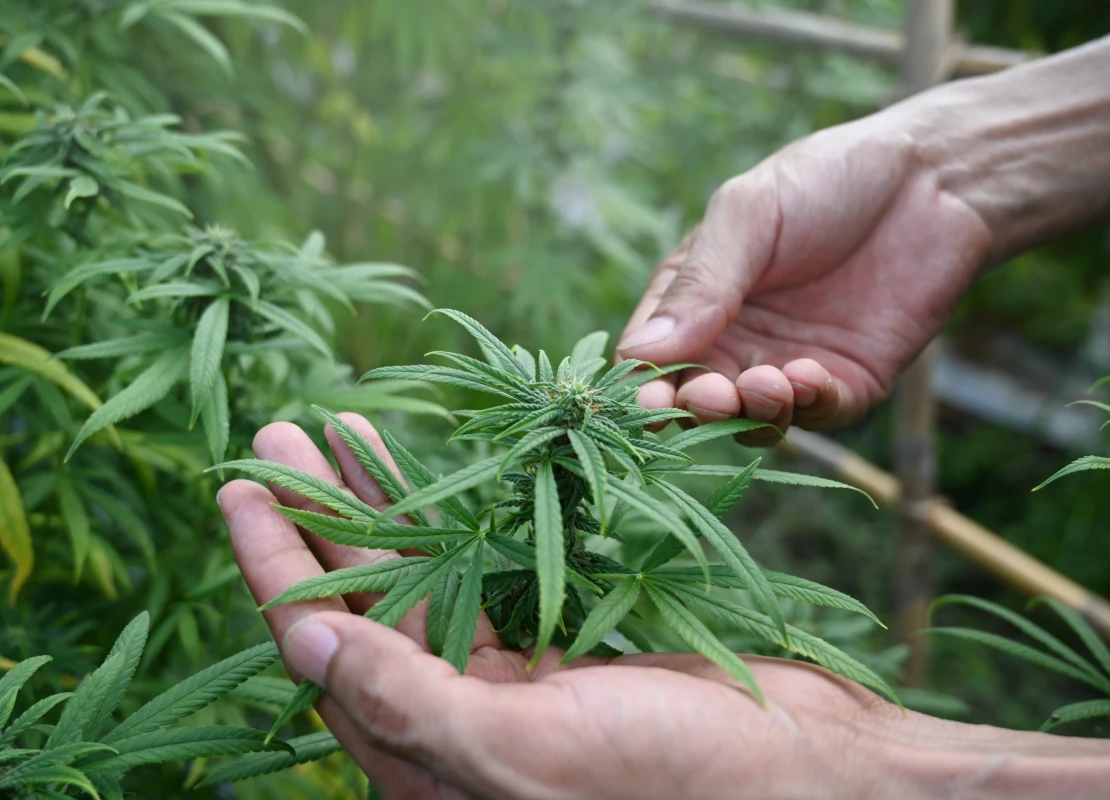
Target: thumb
733, 246
403, 700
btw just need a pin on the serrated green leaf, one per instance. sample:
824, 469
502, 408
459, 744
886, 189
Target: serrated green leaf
307, 748
81, 186
130, 644
714, 430
215, 416
794, 479
67, 776
306, 485
511, 384
379, 577
1082, 629
303, 699
1073, 712
723, 499
548, 533
13, 680
147, 389
605, 616
32, 715
734, 554
293, 326
663, 515
464, 615
788, 586
649, 416
180, 744
527, 445
760, 625
76, 518
144, 195
434, 374
525, 555
1081, 464
440, 606
387, 536
495, 351
547, 375
1030, 629
701, 639
532, 420
616, 373
200, 36
420, 477
371, 461
86, 272
1024, 652
413, 587
628, 388
265, 691
527, 361
594, 469
195, 692
208, 351
126, 346
466, 478
85, 703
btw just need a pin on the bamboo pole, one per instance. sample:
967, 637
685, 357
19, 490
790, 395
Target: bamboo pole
928, 32
1010, 564
802, 29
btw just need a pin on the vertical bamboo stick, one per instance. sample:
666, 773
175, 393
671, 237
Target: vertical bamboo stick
928, 32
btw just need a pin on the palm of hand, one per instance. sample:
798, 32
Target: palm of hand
827, 268
619, 728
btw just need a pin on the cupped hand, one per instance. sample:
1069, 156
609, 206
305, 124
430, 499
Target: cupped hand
637, 726
811, 281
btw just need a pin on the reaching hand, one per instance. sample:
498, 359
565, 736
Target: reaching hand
810, 283
666, 726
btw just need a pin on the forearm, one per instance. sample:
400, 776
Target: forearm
1027, 149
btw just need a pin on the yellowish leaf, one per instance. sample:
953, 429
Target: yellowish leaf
15, 534
40, 361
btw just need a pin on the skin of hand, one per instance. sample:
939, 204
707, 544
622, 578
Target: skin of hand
642, 726
816, 277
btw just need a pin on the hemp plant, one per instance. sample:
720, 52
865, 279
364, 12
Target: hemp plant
576, 460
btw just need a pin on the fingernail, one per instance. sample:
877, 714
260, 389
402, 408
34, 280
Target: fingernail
760, 407
698, 411
803, 395
309, 648
654, 330
219, 501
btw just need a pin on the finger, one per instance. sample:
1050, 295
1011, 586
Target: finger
288, 444
711, 397
820, 400
273, 556
369, 491
765, 396
412, 705
657, 286
271, 553
659, 393
733, 246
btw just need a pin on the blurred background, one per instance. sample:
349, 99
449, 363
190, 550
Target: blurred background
533, 159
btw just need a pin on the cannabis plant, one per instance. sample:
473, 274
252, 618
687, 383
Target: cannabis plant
1055, 655
89, 750
575, 460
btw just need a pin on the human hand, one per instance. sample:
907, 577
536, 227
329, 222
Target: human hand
810, 283
638, 726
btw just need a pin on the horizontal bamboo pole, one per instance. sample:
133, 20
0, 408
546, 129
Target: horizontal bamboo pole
803, 29
1010, 564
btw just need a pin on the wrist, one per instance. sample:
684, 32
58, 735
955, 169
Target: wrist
1028, 150
931, 758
